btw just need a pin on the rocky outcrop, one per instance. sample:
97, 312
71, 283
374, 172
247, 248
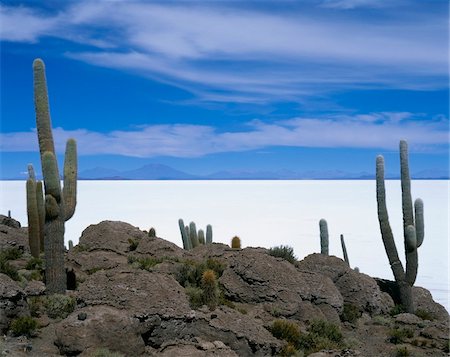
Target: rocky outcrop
12, 302
11, 237
114, 236
256, 277
8, 221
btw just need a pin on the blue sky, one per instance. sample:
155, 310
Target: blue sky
210, 86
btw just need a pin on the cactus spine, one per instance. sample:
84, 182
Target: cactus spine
344, 250
59, 203
413, 233
323, 236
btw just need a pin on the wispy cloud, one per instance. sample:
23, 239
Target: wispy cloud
223, 51
372, 130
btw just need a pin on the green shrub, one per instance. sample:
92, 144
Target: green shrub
399, 335
381, 320
190, 273
350, 313
5, 256
286, 330
11, 254
133, 244
59, 306
326, 329
290, 351
104, 352
402, 352
285, 252
397, 309
424, 315
195, 296
35, 264
24, 325
321, 335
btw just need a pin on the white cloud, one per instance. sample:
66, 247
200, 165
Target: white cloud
373, 130
223, 52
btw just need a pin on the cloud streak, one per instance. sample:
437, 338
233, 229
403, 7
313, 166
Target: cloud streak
373, 130
221, 51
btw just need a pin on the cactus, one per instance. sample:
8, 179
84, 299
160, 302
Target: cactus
236, 242
35, 213
152, 233
70, 245
413, 232
59, 203
323, 236
191, 238
210, 289
344, 250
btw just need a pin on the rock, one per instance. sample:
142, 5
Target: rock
12, 302
34, 288
140, 292
105, 327
157, 247
255, 277
187, 349
407, 319
424, 301
14, 238
327, 265
114, 236
8, 221
363, 292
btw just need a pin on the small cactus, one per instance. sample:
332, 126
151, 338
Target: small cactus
323, 236
344, 250
70, 245
201, 237
236, 242
152, 233
209, 234
210, 289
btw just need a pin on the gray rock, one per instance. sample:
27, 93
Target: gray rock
424, 301
255, 277
34, 288
114, 236
8, 221
104, 326
327, 265
12, 302
14, 238
407, 319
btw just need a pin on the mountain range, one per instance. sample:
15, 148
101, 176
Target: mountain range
164, 172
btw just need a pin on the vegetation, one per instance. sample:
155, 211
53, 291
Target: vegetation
402, 351
350, 313
286, 330
24, 325
285, 252
5, 256
55, 306
399, 335
104, 352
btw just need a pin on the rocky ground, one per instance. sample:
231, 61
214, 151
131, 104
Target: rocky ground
132, 295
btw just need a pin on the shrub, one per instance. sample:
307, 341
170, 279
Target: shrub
35, 264
24, 325
286, 330
210, 289
397, 309
195, 296
133, 244
285, 252
424, 315
321, 335
104, 352
290, 350
381, 320
326, 329
351, 313
402, 352
190, 273
59, 306
399, 335
5, 256
11, 254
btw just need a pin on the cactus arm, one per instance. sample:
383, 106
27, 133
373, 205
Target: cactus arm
33, 218
385, 227
407, 205
52, 182
193, 235
70, 178
420, 226
31, 173
323, 236
43, 122
41, 212
411, 255
209, 234
344, 250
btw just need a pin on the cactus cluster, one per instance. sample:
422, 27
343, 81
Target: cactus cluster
193, 238
413, 228
58, 203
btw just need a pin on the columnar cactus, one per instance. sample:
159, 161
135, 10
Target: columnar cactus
413, 232
323, 236
34, 205
70, 245
344, 250
152, 233
192, 238
59, 203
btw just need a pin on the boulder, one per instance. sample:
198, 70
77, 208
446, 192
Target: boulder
103, 326
114, 236
328, 265
157, 247
423, 300
8, 221
11, 237
12, 302
253, 276
140, 292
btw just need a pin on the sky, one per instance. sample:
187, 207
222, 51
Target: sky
206, 86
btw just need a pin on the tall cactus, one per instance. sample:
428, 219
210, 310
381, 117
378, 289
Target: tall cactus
209, 234
34, 223
59, 203
323, 236
413, 232
344, 250
191, 238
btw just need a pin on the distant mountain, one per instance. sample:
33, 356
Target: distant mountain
163, 172
147, 172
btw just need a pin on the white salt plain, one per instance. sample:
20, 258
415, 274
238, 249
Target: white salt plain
269, 213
